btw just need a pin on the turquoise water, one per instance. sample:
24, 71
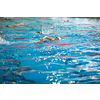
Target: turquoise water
50, 63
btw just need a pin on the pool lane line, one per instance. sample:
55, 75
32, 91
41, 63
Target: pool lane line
26, 37
59, 27
61, 36
72, 26
40, 37
20, 33
47, 45
62, 31
22, 29
38, 45
78, 35
16, 33
85, 30
12, 34
50, 57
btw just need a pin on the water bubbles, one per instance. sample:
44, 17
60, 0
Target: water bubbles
51, 79
74, 60
53, 82
70, 82
93, 77
0, 31
47, 77
64, 60
44, 58
54, 73
3, 41
47, 67
58, 75
29, 54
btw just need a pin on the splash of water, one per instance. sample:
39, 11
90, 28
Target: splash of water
3, 41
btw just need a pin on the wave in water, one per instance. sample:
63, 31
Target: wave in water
3, 41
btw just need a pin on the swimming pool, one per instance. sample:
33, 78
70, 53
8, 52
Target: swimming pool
75, 59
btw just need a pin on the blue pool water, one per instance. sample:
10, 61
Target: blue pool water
49, 64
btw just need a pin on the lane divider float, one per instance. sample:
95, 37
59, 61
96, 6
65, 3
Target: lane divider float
50, 57
47, 45
61, 36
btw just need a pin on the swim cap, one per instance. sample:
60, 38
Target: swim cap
59, 38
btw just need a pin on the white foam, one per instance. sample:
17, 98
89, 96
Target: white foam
3, 41
32, 41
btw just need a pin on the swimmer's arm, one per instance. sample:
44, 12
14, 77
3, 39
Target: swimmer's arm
32, 43
51, 39
41, 28
28, 42
12, 25
42, 39
62, 20
41, 32
16, 25
47, 37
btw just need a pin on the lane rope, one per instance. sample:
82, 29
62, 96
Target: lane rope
49, 57
60, 36
47, 45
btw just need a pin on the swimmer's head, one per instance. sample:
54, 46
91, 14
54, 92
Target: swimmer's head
38, 32
57, 38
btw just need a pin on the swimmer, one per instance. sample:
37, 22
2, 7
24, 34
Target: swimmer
14, 25
64, 20
46, 37
41, 31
